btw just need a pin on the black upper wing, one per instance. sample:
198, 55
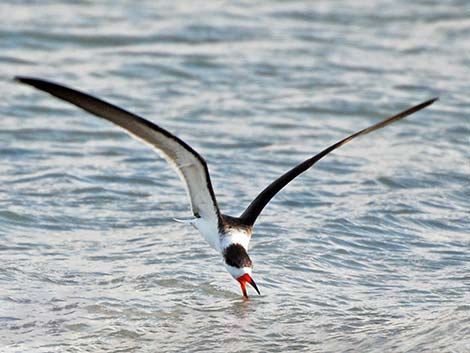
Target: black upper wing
257, 205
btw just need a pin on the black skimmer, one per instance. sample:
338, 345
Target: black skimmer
228, 235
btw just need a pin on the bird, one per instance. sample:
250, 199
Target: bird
228, 235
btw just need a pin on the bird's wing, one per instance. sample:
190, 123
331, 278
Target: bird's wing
191, 167
257, 205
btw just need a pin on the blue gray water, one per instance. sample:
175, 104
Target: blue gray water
367, 252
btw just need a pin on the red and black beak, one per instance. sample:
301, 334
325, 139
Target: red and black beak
246, 278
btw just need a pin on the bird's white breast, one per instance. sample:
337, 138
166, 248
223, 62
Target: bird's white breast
219, 242
235, 236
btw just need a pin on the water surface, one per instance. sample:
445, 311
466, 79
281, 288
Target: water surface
367, 252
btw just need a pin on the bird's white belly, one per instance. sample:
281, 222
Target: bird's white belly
210, 232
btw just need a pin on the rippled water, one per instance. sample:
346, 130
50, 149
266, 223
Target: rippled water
367, 252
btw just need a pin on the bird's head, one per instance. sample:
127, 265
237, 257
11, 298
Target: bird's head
240, 266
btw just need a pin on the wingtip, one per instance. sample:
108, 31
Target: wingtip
431, 101
427, 103
34, 82
23, 79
